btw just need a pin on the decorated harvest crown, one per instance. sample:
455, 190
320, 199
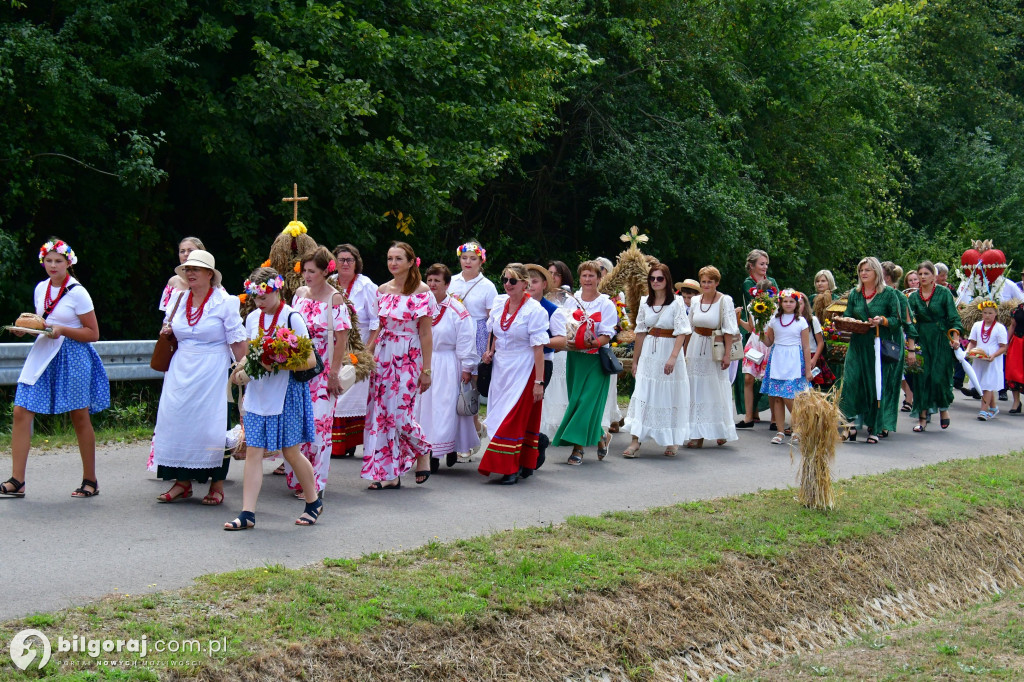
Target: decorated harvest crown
988, 303
61, 247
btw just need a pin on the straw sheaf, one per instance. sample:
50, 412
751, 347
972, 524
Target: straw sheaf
818, 423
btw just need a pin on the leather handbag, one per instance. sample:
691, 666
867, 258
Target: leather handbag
468, 403
891, 351
483, 377
609, 363
166, 344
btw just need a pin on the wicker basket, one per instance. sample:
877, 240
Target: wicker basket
848, 324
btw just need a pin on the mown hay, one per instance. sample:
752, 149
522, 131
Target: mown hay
741, 614
817, 422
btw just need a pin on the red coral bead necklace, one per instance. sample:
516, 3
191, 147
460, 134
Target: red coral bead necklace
273, 322
50, 303
193, 317
506, 321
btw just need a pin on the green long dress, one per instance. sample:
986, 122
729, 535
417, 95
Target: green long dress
859, 401
935, 318
760, 401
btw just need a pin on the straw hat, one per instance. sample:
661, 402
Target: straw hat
690, 284
201, 259
541, 270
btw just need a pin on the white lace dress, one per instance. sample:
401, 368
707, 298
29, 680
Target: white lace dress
711, 407
659, 409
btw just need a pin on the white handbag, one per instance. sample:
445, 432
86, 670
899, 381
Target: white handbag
347, 377
468, 403
718, 347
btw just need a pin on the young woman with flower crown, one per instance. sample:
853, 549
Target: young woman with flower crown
394, 440
62, 372
278, 409
327, 319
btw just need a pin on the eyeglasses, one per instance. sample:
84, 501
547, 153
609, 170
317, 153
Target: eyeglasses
511, 281
190, 268
345, 261
658, 278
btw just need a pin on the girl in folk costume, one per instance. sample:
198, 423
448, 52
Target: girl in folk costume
790, 361
454, 358
188, 442
394, 440
660, 406
327, 321
278, 409
62, 372
350, 409
477, 293
591, 324
519, 326
988, 341
713, 318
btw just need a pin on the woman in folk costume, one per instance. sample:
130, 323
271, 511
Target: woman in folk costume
713, 318
278, 408
477, 293
350, 410
62, 372
327, 320
938, 330
519, 326
453, 360
394, 440
556, 393
591, 324
188, 442
878, 305
659, 409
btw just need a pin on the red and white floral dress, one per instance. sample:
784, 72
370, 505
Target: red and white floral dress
394, 439
314, 314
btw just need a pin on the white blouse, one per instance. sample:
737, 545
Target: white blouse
73, 303
265, 396
364, 300
476, 294
721, 315
672, 316
455, 332
603, 304
529, 328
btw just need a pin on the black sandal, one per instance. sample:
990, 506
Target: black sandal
17, 491
81, 491
311, 513
851, 434
906, 407
944, 423
576, 458
871, 439
377, 485
244, 521
422, 476
788, 431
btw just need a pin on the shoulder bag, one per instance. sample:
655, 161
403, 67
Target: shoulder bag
483, 372
166, 344
718, 347
609, 363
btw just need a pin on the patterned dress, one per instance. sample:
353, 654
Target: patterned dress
394, 438
318, 452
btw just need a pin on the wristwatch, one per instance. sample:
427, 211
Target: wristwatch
539, 382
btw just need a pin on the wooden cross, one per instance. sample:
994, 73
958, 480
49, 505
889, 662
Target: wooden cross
294, 200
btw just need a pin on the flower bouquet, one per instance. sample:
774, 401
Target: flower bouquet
763, 307
836, 344
280, 350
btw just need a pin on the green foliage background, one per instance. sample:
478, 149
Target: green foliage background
821, 131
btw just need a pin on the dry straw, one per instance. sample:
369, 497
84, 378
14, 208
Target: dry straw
818, 423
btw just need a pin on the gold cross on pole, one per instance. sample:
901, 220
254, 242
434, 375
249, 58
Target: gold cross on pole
294, 200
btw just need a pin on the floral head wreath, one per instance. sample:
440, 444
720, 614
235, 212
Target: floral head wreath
61, 247
790, 292
294, 228
263, 288
473, 247
987, 303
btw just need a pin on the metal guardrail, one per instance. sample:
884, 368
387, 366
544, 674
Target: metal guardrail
123, 360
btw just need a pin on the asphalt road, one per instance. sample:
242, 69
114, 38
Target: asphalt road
57, 552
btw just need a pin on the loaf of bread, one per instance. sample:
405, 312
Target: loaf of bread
30, 321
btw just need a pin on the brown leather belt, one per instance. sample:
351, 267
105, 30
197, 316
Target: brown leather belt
704, 331
661, 333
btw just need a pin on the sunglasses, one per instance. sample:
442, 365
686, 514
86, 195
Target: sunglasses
511, 281
656, 278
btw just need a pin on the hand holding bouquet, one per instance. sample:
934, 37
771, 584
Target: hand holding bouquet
763, 307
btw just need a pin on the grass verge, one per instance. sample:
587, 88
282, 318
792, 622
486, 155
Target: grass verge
470, 583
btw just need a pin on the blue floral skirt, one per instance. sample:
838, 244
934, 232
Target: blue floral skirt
73, 380
294, 426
